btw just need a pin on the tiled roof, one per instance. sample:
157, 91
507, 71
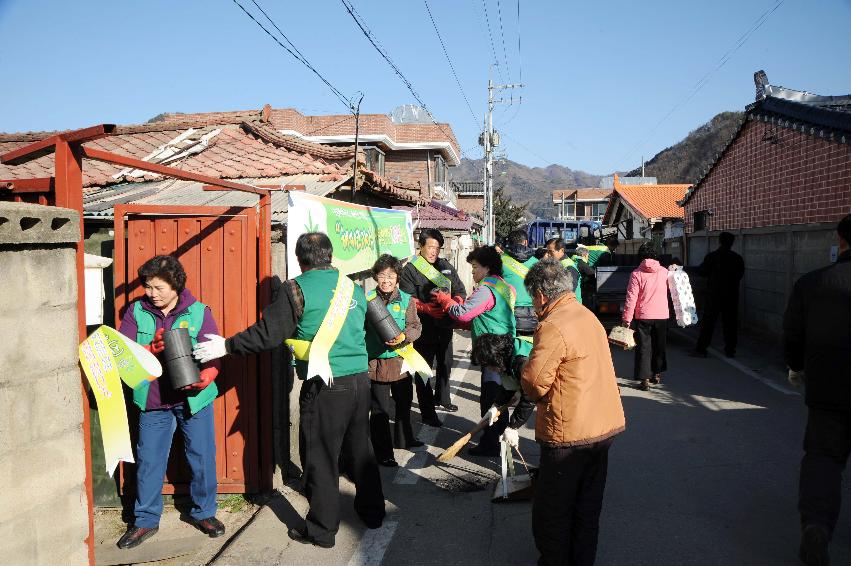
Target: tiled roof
269, 134
581, 194
826, 117
651, 201
436, 215
331, 125
229, 153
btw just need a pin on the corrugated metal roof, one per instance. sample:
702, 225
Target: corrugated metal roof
99, 203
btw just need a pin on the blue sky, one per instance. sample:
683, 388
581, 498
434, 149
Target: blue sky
599, 76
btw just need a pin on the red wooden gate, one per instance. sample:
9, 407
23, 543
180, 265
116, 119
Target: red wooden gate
218, 248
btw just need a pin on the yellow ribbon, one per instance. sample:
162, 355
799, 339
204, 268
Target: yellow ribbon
414, 363
317, 350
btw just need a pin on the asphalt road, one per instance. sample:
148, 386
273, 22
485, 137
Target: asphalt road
706, 473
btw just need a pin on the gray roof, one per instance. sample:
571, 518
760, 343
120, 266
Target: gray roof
99, 203
609, 182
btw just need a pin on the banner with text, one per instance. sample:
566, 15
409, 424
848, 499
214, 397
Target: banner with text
108, 357
358, 233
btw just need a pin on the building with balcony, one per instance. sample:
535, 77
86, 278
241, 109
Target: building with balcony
580, 204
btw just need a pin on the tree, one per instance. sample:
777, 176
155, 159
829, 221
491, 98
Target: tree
506, 216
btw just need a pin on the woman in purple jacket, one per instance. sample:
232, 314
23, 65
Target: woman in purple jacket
647, 304
166, 305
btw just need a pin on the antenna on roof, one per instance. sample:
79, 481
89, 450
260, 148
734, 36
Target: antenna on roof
760, 79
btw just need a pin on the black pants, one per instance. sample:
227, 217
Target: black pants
436, 348
335, 428
567, 503
402, 392
651, 337
728, 309
827, 444
493, 394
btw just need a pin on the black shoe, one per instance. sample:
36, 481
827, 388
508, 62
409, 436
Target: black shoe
388, 462
210, 526
450, 408
656, 379
432, 421
814, 542
730, 354
135, 536
698, 354
302, 537
414, 444
644, 385
484, 451
372, 523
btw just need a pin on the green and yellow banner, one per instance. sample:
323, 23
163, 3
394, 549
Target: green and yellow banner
358, 233
108, 358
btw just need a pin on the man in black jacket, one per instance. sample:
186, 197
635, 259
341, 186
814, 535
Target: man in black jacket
817, 342
425, 273
723, 269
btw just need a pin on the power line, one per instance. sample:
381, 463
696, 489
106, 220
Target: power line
297, 54
369, 35
705, 79
490, 36
502, 34
519, 56
451, 66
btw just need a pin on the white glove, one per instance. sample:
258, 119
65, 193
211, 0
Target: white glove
212, 349
492, 415
796, 378
511, 436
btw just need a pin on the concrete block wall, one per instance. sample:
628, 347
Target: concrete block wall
42, 456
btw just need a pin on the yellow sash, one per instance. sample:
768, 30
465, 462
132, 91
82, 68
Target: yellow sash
414, 363
514, 266
440, 280
316, 351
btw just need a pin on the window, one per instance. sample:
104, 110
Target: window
374, 158
598, 209
439, 169
700, 220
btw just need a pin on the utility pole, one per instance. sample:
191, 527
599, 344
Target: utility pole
489, 139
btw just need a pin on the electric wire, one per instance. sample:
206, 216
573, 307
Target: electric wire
502, 35
296, 54
451, 66
704, 80
361, 23
490, 36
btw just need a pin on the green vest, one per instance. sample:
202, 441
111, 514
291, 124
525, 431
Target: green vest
522, 347
594, 254
514, 274
375, 347
348, 354
568, 263
500, 319
146, 327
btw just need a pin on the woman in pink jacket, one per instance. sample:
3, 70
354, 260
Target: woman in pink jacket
647, 304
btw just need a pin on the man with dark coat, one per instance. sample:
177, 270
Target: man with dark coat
817, 340
427, 272
723, 270
517, 259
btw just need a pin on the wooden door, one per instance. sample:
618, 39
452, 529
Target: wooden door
218, 249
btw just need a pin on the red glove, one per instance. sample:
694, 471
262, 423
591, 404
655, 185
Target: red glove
443, 299
157, 345
429, 309
458, 299
207, 377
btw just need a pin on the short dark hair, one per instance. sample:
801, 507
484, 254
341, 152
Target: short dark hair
558, 243
432, 233
165, 267
314, 249
387, 261
517, 237
495, 350
550, 278
487, 256
726, 239
844, 229
647, 251
612, 242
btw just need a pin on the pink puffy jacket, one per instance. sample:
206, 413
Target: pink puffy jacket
647, 293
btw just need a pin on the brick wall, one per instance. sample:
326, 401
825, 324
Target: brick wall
42, 455
774, 176
473, 204
408, 167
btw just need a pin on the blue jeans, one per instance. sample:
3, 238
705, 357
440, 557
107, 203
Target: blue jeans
156, 429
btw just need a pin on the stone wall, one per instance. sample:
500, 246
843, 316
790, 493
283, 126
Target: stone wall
42, 456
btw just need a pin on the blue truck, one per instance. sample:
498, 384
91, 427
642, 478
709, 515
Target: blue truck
541, 229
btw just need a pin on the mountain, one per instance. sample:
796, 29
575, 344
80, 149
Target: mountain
686, 161
533, 185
